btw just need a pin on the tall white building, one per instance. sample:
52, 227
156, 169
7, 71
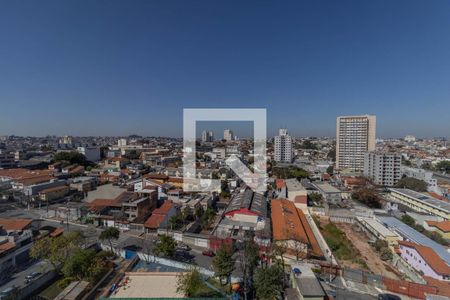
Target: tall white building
122, 142
355, 135
283, 147
207, 136
228, 135
383, 168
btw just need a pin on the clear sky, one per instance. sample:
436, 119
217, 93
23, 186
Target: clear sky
123, 67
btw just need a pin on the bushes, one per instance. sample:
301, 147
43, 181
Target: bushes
368, 196
337, 241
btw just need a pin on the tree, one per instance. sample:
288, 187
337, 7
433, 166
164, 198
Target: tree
269, 283
223, 262
279, 250
176, 221
386, 254
166, 246
73, 157
109, 234
408, 220
58, 249
189, 283
443, 166
412, 184
78, 264
315, 197
248, 260
330, 170
368, 196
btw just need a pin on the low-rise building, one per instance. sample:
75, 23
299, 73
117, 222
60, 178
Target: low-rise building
424, 260
160, 217
291, 228
329, 193
421, 202
442, 227
378, 231
53, 193
296, 193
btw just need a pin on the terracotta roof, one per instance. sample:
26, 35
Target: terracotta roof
164, 209
57, 232
54, 189
7, 246
154, 221
431, 257
439, 197
288, 223
34, 180
99, 204
280, 183
301, 199
443, 225
15, 224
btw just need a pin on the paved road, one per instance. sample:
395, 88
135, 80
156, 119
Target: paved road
18, 279
347, 295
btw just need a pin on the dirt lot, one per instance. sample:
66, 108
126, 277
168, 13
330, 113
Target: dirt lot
368, 254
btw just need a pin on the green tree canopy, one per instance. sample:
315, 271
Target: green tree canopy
166, 246
269, 283
73, 157
189, 283
223, 262
109, 234
412, 184
368, 196
443, 166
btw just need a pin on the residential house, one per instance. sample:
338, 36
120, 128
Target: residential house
424, 260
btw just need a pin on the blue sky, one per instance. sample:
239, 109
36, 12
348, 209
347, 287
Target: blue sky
122, 67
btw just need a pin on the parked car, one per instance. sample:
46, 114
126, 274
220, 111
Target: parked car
184, 247
388, 297
32, 276
209, 253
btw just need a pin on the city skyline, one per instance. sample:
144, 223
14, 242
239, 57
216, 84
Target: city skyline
315, 63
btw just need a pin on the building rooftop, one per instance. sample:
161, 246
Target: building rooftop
414, 236
327, 188
431, 257
290, 223
378, 227
249, 200
427, 200
15, 224
149, 285
292, 184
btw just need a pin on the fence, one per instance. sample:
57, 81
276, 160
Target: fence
408, 288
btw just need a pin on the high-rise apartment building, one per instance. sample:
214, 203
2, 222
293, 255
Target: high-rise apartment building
283, 146
355, 135
383, 168
207, 136
228, 135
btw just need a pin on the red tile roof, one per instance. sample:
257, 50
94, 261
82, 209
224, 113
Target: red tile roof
15, 224
288, 223
154, 221
431, 257
280, 183
443, 225
6, 246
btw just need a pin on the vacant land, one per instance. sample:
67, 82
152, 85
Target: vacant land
367, 252
341, 246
